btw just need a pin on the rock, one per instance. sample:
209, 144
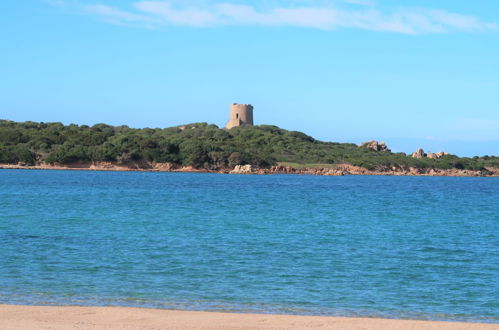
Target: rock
437, 155
375, 145
242, 169
333, 172
164, 167
418, 154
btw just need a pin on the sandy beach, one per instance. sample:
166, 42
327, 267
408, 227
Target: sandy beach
51, 317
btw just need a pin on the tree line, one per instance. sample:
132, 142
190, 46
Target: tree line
200, 145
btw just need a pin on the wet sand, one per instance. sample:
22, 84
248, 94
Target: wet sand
49, 317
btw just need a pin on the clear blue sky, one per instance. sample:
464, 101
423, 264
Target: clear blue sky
411, 73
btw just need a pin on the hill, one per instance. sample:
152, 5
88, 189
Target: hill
201, 146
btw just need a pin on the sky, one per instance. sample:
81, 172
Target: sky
410, 73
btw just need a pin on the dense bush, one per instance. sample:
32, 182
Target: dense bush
200, 145
16, 154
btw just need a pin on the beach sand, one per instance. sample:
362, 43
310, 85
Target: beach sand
50, 317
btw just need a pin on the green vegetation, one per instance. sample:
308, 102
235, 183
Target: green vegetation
200, 145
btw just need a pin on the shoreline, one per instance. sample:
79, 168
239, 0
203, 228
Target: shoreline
337, 170
65, 317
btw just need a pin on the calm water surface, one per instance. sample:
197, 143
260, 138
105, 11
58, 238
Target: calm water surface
403, 247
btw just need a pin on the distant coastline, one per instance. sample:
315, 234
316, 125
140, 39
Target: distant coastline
336, 170
201, 147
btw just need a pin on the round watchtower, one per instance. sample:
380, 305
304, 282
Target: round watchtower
240, 114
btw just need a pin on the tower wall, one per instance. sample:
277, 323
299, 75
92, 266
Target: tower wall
240, 114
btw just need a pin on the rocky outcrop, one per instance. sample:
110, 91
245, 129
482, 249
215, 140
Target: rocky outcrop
418, 154
242, 169
338, 170
436, 155
374, 145
312, 171
333, 172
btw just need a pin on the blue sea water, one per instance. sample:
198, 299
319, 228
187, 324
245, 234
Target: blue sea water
399, 247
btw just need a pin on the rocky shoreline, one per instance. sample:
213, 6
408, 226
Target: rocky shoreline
338, 170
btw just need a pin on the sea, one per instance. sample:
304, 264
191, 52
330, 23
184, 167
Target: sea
360, 246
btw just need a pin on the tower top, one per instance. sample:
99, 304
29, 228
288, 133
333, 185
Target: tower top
241, 104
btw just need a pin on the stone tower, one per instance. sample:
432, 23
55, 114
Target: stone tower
240, 114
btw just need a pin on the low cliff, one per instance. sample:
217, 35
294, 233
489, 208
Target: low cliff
338, 170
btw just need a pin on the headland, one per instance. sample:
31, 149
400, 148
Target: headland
200, 147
